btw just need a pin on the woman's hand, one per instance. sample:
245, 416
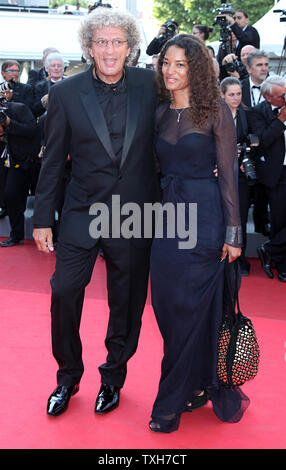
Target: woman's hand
231, 251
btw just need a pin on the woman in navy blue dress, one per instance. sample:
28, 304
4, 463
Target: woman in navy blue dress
195, 133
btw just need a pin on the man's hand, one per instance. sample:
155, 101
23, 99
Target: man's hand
229, 58
230, 19
161, 31
44, 239
282, 114
7, 94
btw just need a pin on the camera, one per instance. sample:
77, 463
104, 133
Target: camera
8, 86
225, 32
225, 8
232, 66
170, 30
245, 159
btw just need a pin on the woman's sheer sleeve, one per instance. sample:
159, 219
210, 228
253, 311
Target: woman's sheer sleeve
227, 162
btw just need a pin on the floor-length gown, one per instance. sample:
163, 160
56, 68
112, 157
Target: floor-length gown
187, 283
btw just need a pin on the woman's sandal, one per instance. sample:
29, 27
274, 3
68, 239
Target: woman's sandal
165, 425
197, 402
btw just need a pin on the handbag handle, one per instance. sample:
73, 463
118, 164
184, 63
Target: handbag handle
232, 291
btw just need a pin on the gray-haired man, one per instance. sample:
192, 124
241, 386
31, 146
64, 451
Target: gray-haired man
103, 118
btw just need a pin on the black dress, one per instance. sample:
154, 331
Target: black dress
187, 280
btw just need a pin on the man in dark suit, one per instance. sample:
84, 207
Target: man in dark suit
20, 144
268, 122
55, 70
244, 32
12, 90
17, 92
103, 118
257, 64
36, 75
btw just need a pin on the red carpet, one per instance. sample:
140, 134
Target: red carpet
28, 370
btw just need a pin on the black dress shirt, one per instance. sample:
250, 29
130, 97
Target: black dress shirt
113, 101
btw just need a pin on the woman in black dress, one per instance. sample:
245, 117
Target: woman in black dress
195, 132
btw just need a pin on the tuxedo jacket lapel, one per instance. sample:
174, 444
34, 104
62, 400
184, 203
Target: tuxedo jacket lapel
95, 114
134, 99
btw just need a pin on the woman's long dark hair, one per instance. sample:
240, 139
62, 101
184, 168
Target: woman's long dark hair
204, 89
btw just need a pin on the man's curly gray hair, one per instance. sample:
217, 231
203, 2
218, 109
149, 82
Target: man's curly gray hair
101, 17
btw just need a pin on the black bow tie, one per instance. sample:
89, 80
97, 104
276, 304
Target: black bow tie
276, 111
254, 86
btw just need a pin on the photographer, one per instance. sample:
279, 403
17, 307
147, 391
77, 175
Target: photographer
246, 34
166, 31
231, 93
19, 146
232, 67
11, 89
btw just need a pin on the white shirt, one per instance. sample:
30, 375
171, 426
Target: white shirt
255, 94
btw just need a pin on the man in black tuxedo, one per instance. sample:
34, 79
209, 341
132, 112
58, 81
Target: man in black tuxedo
104, 119
268, 121
257, 64
244, 32
55, 70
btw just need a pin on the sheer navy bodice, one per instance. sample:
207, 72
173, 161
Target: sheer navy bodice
187, 152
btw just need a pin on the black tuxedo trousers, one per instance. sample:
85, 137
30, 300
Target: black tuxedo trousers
127, 267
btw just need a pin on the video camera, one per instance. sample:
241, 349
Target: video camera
221, 21
224, 9
245, 160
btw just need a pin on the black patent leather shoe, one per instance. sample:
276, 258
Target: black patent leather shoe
11, 242
59, 399
265, 261
107, 398
282, 277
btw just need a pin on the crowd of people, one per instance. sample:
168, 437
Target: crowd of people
219, 143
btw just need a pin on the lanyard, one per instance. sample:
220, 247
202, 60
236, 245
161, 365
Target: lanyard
254, 103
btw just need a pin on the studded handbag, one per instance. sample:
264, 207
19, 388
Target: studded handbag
238, 349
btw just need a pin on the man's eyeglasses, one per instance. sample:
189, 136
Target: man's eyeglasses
12, 71
103, 43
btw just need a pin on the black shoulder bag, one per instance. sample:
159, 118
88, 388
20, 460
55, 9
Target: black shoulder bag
238, 349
